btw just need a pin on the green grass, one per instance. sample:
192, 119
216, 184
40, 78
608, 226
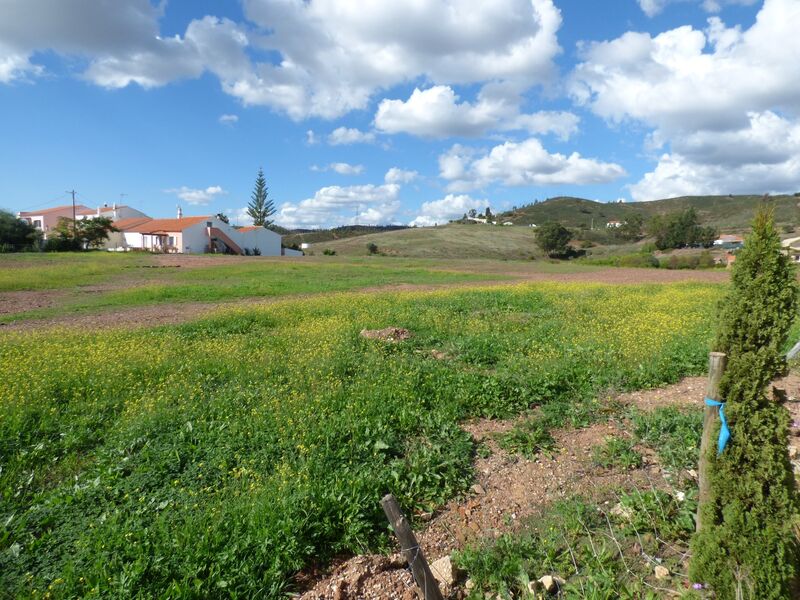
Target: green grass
219, 457
229, 280
616, 452
673, 433
448, 241
35, 271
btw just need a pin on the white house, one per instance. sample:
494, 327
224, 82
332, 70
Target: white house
192, 235
114, 212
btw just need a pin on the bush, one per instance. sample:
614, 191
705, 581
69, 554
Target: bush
329, 252
372, 248
553, 238
748, 545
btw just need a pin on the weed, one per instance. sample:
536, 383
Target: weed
674, 434
529, 438
616, 452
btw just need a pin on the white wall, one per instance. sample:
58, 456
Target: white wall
267, 241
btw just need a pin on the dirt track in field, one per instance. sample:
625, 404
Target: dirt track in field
179, 312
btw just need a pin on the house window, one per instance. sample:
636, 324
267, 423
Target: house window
208, 223
37, 223
171, 241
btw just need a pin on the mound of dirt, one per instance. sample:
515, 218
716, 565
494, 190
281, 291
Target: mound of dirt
368, 577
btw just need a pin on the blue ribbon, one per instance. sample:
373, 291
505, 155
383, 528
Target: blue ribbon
724, 432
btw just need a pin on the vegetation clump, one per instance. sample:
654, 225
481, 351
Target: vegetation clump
553, 238
16, 235
680, 230
748, 545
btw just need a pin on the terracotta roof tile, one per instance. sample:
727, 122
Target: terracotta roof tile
168, 225
46, 211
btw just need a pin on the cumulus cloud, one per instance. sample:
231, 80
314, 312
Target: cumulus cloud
197, 196
347, 135
229, 119
332, 56
685, 79
762, 157
525, 163
721, 101
653, 7
446, 209
437, 113
336, 205
396, 175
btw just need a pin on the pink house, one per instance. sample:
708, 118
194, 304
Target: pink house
46, 219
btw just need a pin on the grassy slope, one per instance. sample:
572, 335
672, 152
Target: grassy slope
449, 241
724, 212
337, 233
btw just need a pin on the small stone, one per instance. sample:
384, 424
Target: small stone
478, 489
661, 572
792, 451
551, 582
469, 584
692, 473
444, 571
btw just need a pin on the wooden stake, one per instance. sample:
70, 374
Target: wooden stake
716, 367
410, 548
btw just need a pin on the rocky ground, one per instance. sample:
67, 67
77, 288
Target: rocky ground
510, 488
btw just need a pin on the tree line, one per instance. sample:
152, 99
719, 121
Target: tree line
675, 230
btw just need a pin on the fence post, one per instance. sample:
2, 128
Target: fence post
716, 367
410, 548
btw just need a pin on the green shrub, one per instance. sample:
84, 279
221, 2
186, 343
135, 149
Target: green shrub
372, 248
528, 438
748, 546
329, 252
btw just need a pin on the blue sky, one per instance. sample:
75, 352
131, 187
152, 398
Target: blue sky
396, 113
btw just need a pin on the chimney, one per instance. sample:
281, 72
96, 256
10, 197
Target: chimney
180, 212
98, 211
113, 206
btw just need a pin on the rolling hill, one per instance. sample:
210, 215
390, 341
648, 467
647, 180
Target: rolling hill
724, 212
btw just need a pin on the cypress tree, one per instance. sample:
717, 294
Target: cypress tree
748, 545
261, 208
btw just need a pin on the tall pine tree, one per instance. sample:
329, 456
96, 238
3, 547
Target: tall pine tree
261, 208
748, 545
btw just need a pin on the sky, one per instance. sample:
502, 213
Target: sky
394, 112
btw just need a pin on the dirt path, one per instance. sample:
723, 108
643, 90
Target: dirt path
179, 312
510, 488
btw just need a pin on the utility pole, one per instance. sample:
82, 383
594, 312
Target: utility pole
74, 220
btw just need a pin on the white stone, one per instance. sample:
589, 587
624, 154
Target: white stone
444, 571
661, 572
551, 582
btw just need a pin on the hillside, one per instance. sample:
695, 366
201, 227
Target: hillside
337, 233
723, 212
449, 241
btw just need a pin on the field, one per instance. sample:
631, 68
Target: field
221, 454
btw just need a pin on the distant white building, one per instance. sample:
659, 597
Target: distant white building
114, 212
614, 224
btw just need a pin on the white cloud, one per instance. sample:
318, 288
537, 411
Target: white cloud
347, 135
342, 168
311, 138
336, 205
525, 163
332, 56
685, 79
197, 196
653, 7
448, 208
722, 102
239, 216
396, 175
229, 119
437, 113
762, 157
